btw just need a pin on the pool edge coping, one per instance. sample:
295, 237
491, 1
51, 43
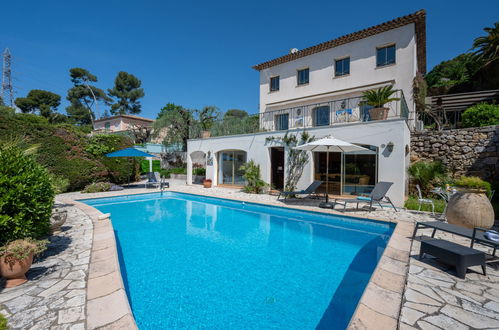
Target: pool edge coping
387, 283
107, 305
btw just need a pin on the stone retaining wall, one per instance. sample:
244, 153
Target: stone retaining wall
465, 151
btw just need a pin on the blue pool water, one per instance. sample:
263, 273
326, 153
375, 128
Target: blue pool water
199, 262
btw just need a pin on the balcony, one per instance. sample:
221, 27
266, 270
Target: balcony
348, 110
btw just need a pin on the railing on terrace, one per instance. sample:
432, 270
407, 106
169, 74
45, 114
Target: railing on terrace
349, 110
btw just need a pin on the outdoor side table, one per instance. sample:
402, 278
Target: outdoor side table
453, 254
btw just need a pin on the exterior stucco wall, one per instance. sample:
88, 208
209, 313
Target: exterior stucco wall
120, 124
363, 71
391, 165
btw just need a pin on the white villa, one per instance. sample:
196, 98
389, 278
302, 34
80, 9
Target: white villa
319, 89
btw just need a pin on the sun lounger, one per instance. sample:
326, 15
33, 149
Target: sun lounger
156, 180
378, 196
476, 235
310, 191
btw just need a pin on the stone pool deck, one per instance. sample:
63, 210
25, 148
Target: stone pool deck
55, 295
403, 292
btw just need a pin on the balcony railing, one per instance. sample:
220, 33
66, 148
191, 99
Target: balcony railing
349, 110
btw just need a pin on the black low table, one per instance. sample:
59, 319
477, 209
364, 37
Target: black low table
454, 254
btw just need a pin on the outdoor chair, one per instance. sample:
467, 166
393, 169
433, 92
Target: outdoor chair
378, 196
153, 180
309, 192
423, 201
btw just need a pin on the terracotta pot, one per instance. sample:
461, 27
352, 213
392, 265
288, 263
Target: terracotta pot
205, 134
379, 113
14, 270
207, 183
470, 209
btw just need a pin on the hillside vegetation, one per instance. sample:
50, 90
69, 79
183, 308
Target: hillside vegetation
68, 152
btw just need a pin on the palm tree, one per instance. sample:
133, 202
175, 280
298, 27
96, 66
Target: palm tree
487, 47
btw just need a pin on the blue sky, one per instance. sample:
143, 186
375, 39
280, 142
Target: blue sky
197, 53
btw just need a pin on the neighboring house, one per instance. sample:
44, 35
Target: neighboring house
121, 123
319, 89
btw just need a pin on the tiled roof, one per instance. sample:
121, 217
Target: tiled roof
418, 18
125, 116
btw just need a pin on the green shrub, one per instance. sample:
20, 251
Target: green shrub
178, 170
97, 187
473, 182
26, 195
3, 322
412, 204
59, 184
254, 182
199, 171
164, 173
144, 166
427, 174
481, 114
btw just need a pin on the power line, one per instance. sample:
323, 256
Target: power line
7, 88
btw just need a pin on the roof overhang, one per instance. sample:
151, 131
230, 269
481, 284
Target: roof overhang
418, 19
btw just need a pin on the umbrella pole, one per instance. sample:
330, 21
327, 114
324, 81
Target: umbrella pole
327, 175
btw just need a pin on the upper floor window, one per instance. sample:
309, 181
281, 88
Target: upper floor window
321, 116
282, 122
342, 67
274, 84
302, 77
385, 55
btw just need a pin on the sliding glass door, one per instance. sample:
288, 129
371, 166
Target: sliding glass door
349, 173
360, 171
229, 167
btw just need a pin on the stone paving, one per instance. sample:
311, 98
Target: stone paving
55, 295
435, 298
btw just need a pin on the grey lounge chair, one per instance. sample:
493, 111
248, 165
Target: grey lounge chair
476, 235
310, 191
155, 180
378, 195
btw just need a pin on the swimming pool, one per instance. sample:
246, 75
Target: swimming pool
191, 261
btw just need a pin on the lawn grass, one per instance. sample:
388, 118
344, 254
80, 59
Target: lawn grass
412, 204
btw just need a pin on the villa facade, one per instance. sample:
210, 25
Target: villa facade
319, 90
121, 123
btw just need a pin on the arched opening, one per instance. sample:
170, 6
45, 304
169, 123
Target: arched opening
229, 163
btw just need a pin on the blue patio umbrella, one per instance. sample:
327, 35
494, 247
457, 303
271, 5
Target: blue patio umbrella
131, 152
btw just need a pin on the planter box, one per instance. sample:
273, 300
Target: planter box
182, 177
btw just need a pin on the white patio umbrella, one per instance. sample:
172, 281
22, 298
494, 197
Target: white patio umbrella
327, 144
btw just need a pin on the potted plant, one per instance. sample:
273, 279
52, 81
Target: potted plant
207, 183
378, 98
16, 258
470, 206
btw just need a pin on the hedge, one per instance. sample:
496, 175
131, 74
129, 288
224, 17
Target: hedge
144, 166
